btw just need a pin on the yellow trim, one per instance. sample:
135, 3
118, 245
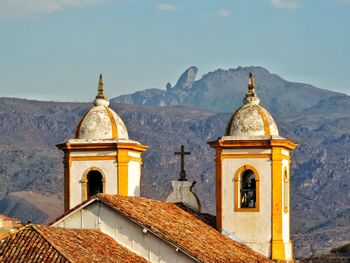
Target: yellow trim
243, 144
245, 155
237, 180
113, 123
123, 171
277, 244
122, 158
285, 191
265, 121
94, 158
218, 188
102, 146
286, 144
67, 162
84, 181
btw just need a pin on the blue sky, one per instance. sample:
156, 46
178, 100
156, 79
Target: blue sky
55, 49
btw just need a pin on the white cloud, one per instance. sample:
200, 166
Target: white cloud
285, 4
167, 7
223, 13
29, 9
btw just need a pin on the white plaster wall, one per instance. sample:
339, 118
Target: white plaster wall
285, 152
134, 177
134, 154
90, 153
109, 168
99, 216
182, 193
253, 228
242, 151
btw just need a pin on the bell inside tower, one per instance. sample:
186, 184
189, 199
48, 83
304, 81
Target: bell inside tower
248, 190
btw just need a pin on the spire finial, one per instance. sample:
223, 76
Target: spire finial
100, 90
250, 96
251, 82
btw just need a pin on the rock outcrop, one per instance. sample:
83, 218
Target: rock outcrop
187, 78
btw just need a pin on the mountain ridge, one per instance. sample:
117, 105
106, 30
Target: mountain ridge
320, 168
222, 91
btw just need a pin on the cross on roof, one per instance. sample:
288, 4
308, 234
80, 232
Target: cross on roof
182, 153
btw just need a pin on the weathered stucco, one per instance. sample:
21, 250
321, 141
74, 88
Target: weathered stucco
182, 193
248, 122
126, 232
252, 228
108, 168
97, 124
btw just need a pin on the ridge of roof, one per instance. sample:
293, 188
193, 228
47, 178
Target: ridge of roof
52, 244
174, 225
182, 229
26, 243
2, 237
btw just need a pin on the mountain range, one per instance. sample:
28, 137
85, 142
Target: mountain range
223, 90
191, 113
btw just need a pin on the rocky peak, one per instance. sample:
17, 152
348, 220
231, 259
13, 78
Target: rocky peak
187, 78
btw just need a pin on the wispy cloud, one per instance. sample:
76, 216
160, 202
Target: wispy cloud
285, 4
30, 9
167, 7
223, 13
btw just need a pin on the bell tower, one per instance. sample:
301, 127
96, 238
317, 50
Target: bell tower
252, 180
101, 158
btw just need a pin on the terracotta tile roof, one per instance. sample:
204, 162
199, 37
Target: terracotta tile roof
182, 229
10, 222
207, 218
49, 244
5, 217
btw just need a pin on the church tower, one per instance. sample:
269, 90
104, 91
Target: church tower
252, 180
101, 158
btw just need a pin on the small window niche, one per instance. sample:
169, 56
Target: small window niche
93, 182
247, 189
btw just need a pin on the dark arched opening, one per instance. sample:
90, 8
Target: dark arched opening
248, 189
94, 183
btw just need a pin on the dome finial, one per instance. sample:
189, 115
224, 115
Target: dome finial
250, 96
101, 99
100, 90
251, 82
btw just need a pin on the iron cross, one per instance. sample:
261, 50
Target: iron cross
182, 153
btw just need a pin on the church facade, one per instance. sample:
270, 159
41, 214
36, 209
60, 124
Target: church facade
252, 180
101, 158
102, 171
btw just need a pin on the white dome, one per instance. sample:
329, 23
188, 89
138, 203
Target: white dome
251, 120
101, 122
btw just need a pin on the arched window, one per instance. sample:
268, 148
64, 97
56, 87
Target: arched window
247, 189
94, 183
